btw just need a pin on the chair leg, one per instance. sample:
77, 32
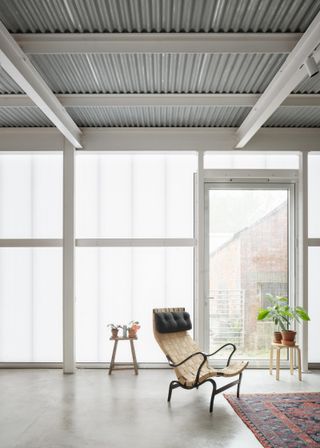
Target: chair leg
239, 383
173, 385
214, 388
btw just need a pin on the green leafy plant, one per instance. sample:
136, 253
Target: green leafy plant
281, 313
114, 326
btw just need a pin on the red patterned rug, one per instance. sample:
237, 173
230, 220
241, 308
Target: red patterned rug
281, 420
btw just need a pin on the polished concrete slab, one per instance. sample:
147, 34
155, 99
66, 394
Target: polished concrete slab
46, 409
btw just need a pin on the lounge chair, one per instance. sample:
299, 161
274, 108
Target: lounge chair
191, 365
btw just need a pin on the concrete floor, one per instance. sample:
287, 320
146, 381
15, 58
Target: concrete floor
46, 409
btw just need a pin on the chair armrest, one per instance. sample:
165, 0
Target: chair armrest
221, 348
205, 357
171, 363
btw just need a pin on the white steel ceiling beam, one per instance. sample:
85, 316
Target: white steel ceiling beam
14, 61
191, 139
288, 77
126, 100
158, 43
160, 139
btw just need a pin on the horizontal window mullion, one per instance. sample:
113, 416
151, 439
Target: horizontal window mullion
100, 242
30, 242
135, 242
314, 242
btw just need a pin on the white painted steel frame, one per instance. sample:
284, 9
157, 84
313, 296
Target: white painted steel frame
199, 277
287, 78
157, 42
161, 99
203, 139
302, 249
14, 61
239, 179
69, 356
161, 139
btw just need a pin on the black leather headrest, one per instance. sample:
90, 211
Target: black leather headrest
170, 322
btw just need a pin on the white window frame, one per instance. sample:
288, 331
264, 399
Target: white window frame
48, 140
287, 178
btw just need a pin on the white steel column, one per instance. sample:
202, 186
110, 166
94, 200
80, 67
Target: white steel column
68, 258
199, 308
302, 299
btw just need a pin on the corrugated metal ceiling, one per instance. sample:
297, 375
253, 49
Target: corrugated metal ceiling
27, 116
309, 85
49, 16
298, 117
158, 73
7, 85
160, 116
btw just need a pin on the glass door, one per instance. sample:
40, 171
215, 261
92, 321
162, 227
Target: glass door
247, 250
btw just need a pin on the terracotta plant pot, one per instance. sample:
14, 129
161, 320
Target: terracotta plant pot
288, 338
114, 332
132, 333
277, 337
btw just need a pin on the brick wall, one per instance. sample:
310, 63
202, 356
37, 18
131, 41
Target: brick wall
255, 256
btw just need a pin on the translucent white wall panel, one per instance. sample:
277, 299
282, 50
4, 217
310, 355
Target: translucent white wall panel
135, 195
250, 161
30, 195
314, 193
314, 304
30, 304
122, 284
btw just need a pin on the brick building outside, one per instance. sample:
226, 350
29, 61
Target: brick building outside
243, 270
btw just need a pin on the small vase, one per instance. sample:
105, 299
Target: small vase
288, 338
114, 332
277, 337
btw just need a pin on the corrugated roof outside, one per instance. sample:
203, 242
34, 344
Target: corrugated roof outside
49, 16
158, 73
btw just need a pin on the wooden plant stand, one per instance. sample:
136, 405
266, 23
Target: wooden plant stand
278, 347
114, 365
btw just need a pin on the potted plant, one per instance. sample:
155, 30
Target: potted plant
133, 326
114, 330
282, 315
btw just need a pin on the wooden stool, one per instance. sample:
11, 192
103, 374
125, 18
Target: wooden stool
126, 366
278, 348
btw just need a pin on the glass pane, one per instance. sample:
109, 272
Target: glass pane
314, 304
313, 193
31, 195
117, 285
250, 161
30, 304
135, 195
247, 259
